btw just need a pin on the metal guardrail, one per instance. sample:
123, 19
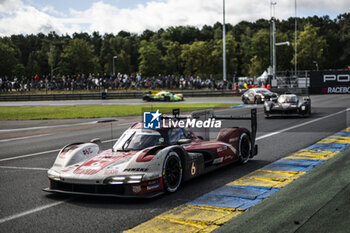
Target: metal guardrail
294, 90
108, 95
135, 94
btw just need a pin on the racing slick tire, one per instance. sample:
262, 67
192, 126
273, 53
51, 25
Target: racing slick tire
172, 172
257, 100
244, 148
245, 100
266, 115
308, 114
167, 98
146, 98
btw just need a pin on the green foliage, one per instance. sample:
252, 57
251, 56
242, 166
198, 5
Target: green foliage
310, 47
8, 57
92, 111
196, 58
344, 35
172, 58
259, 48
150, 59
181, 49
78, 57
231, 56
53, 56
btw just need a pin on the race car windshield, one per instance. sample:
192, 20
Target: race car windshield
138, 141
287, 99
263, 91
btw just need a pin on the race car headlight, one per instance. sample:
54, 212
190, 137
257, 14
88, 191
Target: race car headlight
133, 179
303, 108
53, 175
116, 180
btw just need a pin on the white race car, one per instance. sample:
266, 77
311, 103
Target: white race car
258, 95
147, 162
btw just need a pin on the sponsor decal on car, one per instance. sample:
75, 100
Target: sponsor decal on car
233, 139
93, 166
111, 171
153, 187
136, 188
193, 169
220, 149
218, 160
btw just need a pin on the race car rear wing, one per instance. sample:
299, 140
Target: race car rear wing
252, 118
209, 113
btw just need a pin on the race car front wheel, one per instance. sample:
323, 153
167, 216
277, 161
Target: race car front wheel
245, 100
172, 172
245, 147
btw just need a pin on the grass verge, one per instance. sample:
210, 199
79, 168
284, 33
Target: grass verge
96, 111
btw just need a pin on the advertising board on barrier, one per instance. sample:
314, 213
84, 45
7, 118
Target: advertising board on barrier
330, 82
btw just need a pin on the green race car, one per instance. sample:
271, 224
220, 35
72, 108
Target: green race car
162, 96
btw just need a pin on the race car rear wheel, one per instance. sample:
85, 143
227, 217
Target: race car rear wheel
244, 147
172, 172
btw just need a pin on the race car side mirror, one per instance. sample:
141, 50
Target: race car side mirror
306, 99
183, 141
96, 141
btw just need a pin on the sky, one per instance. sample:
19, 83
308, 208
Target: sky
112, 16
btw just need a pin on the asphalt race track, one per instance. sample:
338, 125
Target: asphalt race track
29, 148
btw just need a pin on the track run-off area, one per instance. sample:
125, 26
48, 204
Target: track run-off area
29, 148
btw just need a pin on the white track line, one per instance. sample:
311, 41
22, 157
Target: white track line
57, 126
25, 168
61, 202
44, 152
47, 127
258, 138
110, 140
29, 155
21, 138
28, 212
299, 125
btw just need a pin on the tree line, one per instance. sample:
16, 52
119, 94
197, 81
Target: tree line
181, 50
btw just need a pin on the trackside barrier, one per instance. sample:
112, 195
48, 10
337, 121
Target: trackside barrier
108, 95
132, 94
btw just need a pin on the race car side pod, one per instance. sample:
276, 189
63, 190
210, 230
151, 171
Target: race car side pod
253, 123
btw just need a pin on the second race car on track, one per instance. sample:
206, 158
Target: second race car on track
288, 105
148, 162
162, 96
257, 95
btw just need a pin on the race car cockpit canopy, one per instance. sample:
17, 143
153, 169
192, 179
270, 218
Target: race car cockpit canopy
287, 99
138, 139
